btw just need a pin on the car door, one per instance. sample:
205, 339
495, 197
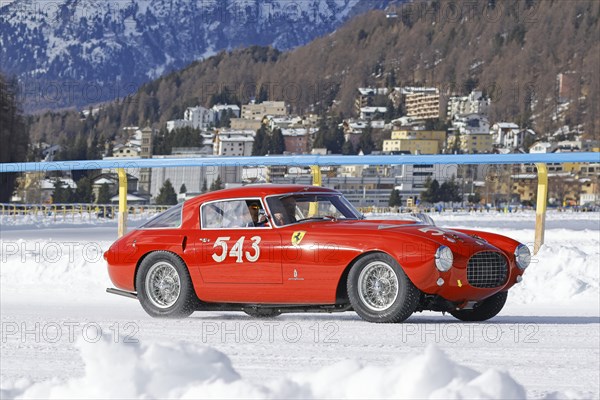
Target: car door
231, 250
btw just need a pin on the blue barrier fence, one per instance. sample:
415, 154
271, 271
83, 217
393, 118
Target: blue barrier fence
303, 160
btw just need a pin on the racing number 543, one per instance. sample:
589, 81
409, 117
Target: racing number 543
236, 250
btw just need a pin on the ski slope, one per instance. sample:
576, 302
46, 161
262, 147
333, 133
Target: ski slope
64, 337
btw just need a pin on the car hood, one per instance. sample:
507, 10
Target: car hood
459, 242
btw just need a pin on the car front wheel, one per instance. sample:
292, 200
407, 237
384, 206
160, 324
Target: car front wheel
483, 310
164, 287
380, 291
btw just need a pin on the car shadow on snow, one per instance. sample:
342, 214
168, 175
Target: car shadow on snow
415, 319
287, 317
509, 319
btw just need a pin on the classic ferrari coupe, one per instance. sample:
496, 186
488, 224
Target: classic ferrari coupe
272, 249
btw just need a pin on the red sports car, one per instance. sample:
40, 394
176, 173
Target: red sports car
270, 249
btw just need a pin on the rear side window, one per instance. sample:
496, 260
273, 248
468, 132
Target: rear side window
231, 214
167, 219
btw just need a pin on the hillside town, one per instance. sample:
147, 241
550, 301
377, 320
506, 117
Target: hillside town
400, 121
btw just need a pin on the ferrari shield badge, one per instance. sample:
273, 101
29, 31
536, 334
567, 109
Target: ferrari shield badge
297, 237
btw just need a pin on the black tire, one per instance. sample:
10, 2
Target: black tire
398, 309
483, 310
260, 312
186, 301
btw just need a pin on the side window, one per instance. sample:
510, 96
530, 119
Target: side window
212, 216
170, 218
245, 213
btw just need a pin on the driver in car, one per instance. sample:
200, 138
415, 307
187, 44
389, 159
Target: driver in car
258, 218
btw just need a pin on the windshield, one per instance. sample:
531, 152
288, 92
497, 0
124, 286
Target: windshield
299, 207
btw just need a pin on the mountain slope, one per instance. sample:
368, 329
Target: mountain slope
98, 50
515, 57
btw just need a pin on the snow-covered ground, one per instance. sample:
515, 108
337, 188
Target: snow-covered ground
63, 336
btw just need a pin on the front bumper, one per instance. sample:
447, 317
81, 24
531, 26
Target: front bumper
454, 285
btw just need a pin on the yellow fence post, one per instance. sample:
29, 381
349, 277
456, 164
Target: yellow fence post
313, 207
122, 201
540, 209
316, 175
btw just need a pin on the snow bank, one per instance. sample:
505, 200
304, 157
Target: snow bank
53, 269
565, 269
133, 370
430, 374
83, 219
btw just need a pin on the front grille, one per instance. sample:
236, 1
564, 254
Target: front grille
487, 269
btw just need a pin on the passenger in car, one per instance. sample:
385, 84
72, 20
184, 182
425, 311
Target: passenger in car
285, 212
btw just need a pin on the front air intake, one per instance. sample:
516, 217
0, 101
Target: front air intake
487, 269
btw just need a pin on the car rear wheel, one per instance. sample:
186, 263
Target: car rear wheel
483, 310
164, 286
380, 291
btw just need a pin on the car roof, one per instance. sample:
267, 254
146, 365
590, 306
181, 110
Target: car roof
260, 190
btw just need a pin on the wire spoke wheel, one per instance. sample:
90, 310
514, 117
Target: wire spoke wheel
378, 286
379, 290
163, 285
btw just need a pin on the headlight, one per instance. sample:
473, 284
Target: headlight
522, 256
444, 258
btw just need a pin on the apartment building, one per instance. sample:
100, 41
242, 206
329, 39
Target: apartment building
422, 103
126, 151
367, 97
368, 113
194, 117
470, 143
474, 103
221, 109
297, 140
245, 124
234, 143
258, 111
415, 141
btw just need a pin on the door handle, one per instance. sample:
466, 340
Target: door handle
204, 240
